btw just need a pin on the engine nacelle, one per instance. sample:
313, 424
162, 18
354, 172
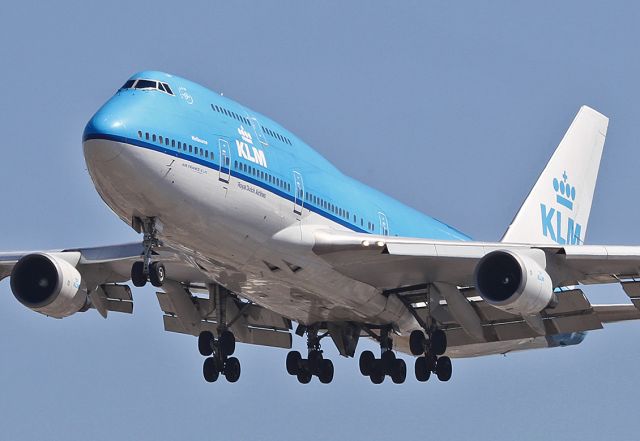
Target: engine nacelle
49, 285
514, 282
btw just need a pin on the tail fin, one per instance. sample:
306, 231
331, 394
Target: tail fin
557, 208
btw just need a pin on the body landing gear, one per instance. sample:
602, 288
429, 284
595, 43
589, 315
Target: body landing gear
387, 365
144, 271
314, 365
430, 351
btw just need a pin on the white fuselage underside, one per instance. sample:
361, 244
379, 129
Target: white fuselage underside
238, 233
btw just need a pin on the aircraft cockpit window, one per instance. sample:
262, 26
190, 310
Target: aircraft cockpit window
146, 84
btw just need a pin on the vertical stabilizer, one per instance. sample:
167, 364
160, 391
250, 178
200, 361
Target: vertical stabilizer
557, 208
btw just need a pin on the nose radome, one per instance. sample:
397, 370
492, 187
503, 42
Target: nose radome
100, 137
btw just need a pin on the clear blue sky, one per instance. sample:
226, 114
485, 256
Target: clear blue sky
453, 109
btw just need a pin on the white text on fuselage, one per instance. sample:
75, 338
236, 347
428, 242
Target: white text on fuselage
200, 140
247, 151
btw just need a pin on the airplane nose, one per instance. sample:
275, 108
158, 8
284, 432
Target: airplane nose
100, 136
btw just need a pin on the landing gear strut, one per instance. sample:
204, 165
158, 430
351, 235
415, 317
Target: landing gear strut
147, 270
219, 350
430, 352
314, 365
386, 365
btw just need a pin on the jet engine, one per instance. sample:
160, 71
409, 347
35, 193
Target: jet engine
49, 285
514, 282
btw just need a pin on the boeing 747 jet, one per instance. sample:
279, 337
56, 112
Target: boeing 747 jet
246, 230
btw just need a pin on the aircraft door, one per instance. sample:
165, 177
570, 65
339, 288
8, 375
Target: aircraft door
225, 160
298, 193
257, 129
384, 224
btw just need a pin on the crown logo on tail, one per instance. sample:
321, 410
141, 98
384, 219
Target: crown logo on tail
565, 192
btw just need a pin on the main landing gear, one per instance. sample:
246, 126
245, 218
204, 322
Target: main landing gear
314, 365
219, 350
430, 351
144, 271
387, 365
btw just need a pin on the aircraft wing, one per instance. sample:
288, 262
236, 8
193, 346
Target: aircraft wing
104, 270
419, 271
391, 262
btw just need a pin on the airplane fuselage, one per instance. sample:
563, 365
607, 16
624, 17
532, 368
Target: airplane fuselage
242, 198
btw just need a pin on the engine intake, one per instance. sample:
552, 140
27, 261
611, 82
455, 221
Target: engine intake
513, 282
48, 285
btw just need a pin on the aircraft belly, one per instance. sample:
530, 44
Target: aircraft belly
227, 229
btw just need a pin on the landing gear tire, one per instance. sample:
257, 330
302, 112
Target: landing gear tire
438, 342
388, 359
377, 372
138, 278
227, 343
366, 363
304, 376
232, 369
417, 342
422, 370
293, 362
210, 370
399, 371
157, 274
326, 371
444, 369
204, 343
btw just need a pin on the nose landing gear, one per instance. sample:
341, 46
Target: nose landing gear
144, 271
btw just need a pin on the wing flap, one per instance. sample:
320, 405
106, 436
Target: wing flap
250, 323
254, 336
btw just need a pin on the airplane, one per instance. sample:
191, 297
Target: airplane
247, 230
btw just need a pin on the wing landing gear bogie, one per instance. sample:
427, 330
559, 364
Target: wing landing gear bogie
219, 350
431, 355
